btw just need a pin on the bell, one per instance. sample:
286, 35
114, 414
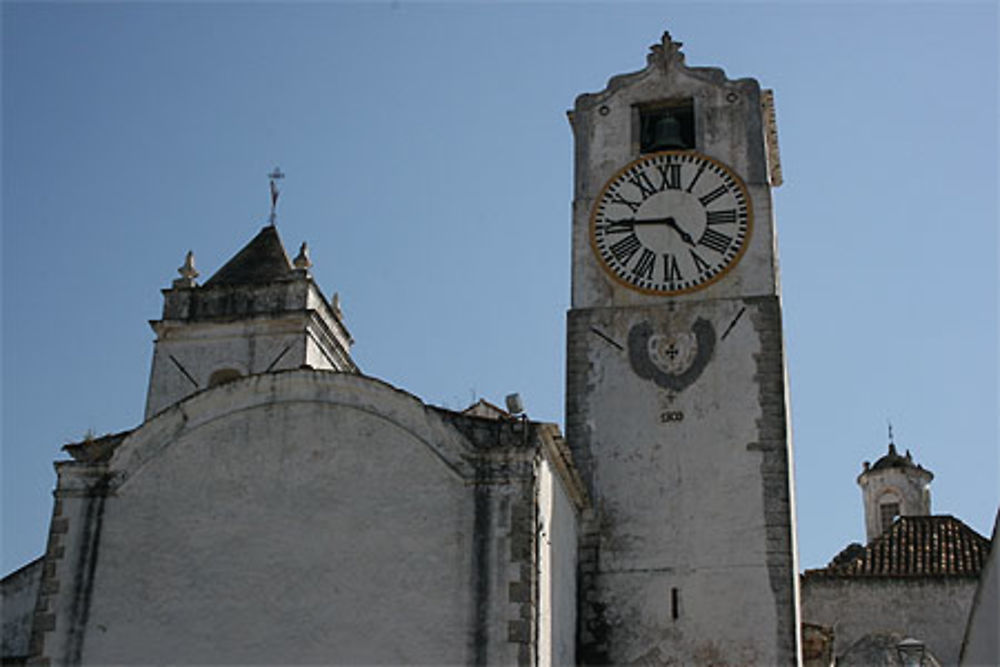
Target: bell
666, 134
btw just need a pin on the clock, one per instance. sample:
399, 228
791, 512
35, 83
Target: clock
671, 222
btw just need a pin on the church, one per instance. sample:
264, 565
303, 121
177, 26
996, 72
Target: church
915, 583
278, 506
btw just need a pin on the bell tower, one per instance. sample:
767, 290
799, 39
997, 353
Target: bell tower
676, 391
892, 487
259, 313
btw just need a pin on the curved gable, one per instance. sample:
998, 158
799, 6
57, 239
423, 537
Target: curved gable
322, 389
330, 501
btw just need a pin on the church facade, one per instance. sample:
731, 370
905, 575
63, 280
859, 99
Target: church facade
278, 506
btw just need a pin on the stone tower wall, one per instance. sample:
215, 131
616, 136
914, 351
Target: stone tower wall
690, 554
907, 486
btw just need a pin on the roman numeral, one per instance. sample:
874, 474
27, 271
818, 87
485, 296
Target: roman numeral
641, 181
616, 198
715, 240
707, 199
670, 175
697, 175
671, 272
724, 217
699, 263
625, 248
644, 267
619, 226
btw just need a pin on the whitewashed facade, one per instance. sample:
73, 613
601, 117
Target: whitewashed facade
295, 511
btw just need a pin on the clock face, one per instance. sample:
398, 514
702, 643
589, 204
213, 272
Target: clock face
671, 222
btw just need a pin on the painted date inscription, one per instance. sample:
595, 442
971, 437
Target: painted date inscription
671, 416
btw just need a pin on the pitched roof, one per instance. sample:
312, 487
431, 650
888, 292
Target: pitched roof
262, 260
483, 408
914, 546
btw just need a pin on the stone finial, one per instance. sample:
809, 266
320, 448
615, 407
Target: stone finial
666, 52
188, 272
302, 261
335, 304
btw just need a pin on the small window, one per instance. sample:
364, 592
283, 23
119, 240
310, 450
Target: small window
666, 127
224, 375
889, 512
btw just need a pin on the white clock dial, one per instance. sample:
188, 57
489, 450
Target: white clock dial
671, 222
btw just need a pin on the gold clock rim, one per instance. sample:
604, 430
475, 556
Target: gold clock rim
687, 290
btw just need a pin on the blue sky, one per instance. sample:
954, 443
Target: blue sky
428, 163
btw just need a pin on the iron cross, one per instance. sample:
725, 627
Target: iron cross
274, 176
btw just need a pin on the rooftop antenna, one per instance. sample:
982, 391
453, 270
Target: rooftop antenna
274, 176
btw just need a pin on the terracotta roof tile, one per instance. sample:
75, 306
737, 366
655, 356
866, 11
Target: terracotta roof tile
914, 546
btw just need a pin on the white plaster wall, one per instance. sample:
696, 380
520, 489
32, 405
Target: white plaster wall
308, 528
931, 609
68, 560
332, 319
692, 483
249, 346
558, 537
315, 354
18, 595
503, 635
909, 485
982, 634
682, 502
657, 478
728, 127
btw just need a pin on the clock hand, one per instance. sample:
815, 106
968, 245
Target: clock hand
620, 226
629, 224
684, 235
